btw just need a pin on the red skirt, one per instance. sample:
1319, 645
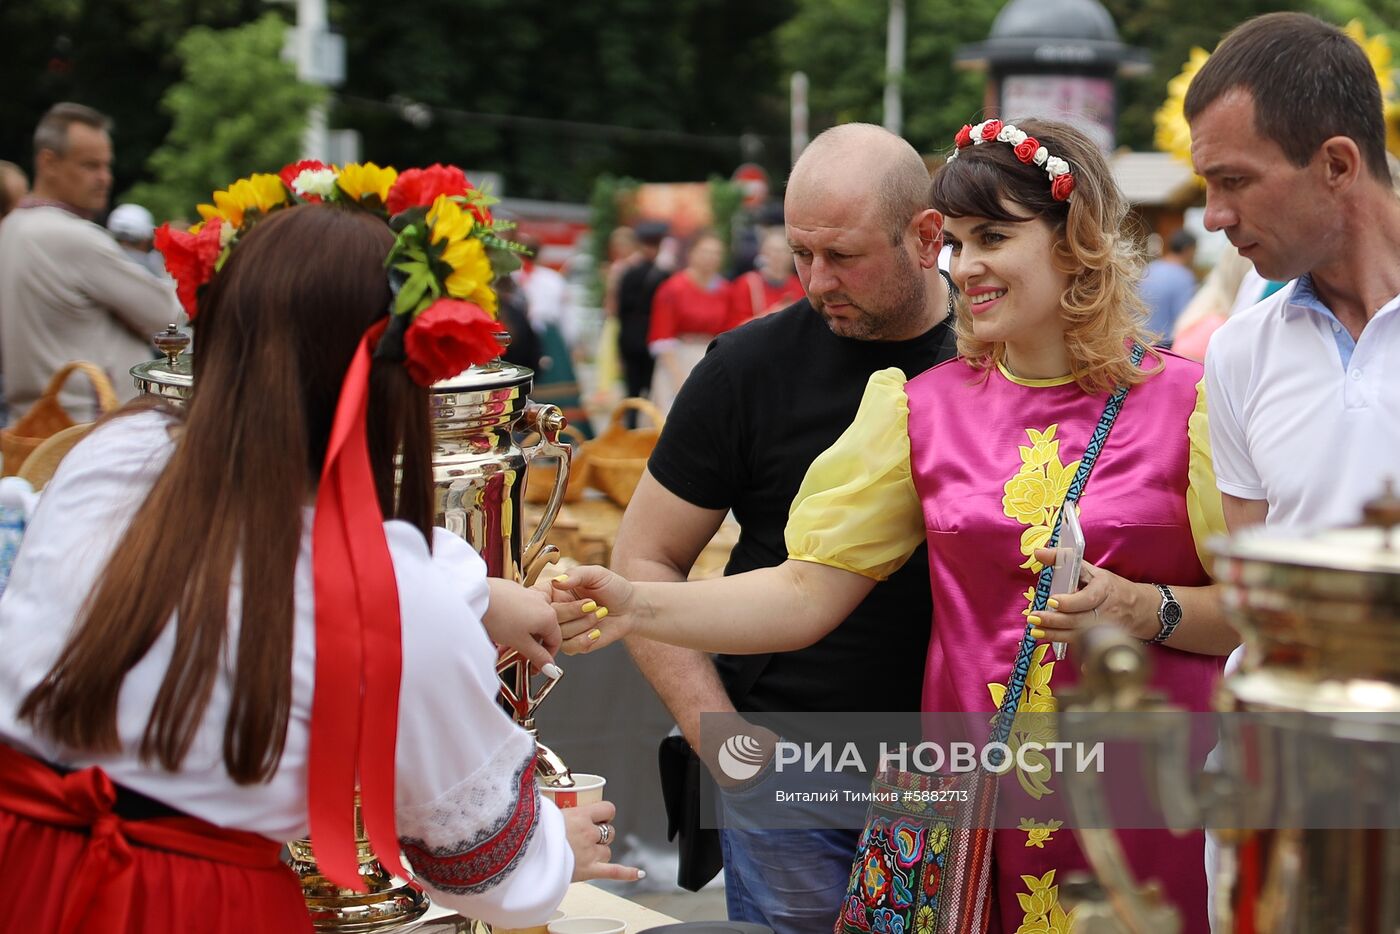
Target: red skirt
70, 864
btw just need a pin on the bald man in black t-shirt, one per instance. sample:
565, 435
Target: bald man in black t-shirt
764, 402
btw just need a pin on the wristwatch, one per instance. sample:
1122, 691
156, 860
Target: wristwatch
1168, 614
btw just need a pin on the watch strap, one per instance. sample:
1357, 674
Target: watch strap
1167, 621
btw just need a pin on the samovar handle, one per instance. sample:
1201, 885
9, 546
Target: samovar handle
549, 421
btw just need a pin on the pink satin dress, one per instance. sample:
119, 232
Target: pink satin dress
991, 458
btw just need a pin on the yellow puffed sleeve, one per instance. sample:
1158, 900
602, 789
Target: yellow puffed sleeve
857, 509
1202, 495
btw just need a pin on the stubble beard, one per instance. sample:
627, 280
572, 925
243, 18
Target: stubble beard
896, 314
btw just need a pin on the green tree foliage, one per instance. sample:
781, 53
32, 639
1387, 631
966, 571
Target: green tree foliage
238, 109
551, 95
840, 44
115, 55
1170, 28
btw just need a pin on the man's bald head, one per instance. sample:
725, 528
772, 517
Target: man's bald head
870, 163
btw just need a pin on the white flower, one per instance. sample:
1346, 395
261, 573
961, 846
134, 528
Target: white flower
226, 232
1006, 133
1017, 137
320, 182
1056, 166
1041, 155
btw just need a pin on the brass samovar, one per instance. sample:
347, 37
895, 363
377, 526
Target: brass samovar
1303, 801
479, 472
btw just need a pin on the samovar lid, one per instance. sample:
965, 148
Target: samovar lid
1361, 549
1372, 547
494, 375
174, 371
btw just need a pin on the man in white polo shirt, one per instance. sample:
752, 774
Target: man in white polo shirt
1303, 388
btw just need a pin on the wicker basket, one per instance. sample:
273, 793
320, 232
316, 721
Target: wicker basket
47, 418
539, 482
618, 456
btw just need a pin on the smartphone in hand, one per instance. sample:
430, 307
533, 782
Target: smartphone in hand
1069, 555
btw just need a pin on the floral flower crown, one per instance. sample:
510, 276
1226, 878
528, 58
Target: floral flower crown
447, 251
1027, 148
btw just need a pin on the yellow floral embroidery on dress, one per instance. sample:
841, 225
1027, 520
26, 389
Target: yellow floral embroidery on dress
1032, 498
1034, 495
923, 921
1038, 834
1041, 904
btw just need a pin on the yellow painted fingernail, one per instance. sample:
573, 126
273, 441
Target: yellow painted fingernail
589, 607
562, 578
1033, 620
1054, 604
595, 635
602, 612
1037, 634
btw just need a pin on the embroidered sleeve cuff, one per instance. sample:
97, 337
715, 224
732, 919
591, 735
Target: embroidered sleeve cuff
470, 838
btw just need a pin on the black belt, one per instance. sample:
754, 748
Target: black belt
130, 805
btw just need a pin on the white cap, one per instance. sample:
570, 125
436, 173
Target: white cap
131, 222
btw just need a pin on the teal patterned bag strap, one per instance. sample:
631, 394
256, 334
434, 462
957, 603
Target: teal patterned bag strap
1006, 714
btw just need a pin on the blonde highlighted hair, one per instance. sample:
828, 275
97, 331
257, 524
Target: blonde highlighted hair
1103, 313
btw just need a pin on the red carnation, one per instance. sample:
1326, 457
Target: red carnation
1026, 150
1062, 186
964, 137
189, 258
289, 174
990, 129
446, 338
421, 187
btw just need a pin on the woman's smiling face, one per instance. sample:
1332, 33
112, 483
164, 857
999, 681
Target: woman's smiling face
1006, 271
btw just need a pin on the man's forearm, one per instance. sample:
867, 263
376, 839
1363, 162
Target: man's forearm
684, 679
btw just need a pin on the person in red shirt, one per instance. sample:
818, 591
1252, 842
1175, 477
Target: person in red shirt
689, 309
771, 287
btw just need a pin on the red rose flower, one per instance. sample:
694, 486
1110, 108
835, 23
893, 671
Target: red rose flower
1062, 186
1026, 151
289, 174
421, 187
964, 137
990, 129
446, 338
189, 258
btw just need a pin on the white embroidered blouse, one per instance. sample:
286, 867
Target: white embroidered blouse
469, 815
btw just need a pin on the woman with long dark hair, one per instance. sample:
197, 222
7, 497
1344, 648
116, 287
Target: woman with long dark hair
223, 621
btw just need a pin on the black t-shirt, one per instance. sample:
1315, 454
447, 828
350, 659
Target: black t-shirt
766, 399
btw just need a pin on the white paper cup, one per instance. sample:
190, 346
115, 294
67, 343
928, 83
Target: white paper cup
587, 789
588, 926
537, 929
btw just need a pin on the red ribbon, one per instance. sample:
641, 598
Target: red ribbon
355, 709
99, 895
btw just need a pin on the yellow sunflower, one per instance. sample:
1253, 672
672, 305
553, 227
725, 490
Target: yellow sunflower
261, 193
448, 221
360, 180
471, 270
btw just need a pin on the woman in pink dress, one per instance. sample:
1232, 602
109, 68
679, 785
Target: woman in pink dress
975, 457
